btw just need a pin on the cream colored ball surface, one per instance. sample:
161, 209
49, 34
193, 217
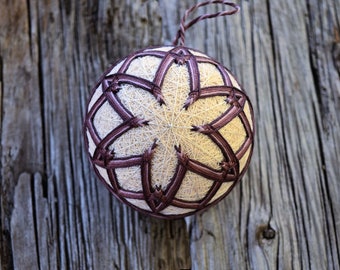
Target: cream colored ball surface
169, 131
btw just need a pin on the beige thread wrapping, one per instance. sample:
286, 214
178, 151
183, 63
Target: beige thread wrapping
170, 125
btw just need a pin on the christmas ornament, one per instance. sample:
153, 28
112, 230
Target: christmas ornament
168, 129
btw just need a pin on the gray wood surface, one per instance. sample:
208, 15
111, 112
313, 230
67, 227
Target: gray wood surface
55, 214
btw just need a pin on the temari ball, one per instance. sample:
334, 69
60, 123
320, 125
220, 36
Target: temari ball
169, 131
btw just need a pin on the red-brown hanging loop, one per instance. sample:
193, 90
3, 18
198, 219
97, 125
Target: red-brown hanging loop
180, 37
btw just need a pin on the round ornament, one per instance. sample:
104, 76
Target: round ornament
168, 129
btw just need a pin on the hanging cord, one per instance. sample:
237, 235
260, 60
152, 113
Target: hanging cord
180, 37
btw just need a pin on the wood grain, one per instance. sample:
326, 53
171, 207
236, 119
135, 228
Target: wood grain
55, 214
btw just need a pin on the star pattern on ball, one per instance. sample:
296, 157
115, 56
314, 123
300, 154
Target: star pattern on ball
170, 119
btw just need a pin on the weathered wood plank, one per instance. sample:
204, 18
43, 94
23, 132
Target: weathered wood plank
77, 224
21, 142
55, 214
293, 179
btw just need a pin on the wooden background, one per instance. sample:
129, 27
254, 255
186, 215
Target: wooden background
55, 214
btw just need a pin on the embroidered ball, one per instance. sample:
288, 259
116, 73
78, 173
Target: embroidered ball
169, 131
